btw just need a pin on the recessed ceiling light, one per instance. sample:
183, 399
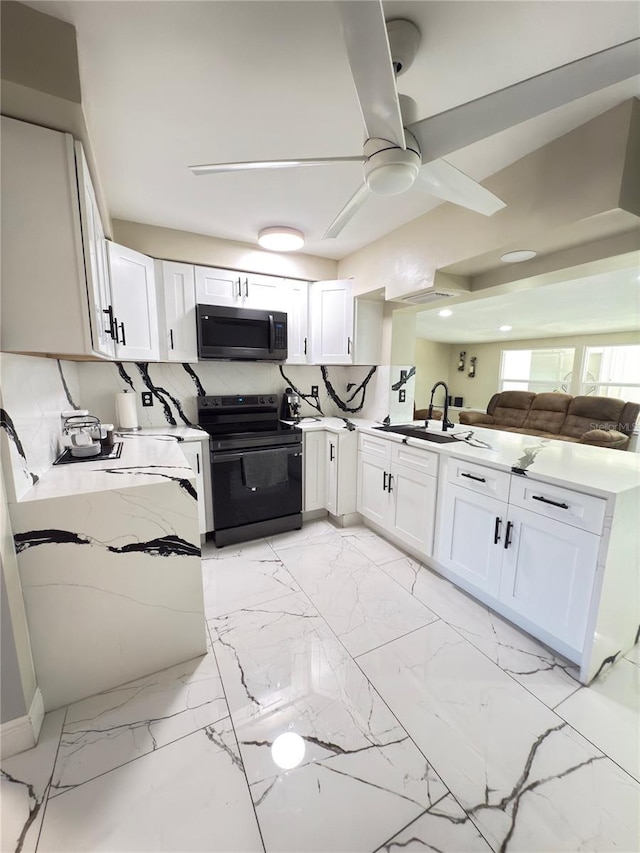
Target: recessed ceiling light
505, 328
517, 257
446, 312
280, 238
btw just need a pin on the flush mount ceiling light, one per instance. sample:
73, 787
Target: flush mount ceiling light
279, 238
518, 257
445, 313
505, 328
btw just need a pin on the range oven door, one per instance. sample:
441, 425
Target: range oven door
240, 499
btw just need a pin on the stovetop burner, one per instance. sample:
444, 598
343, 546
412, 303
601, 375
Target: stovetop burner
242, 421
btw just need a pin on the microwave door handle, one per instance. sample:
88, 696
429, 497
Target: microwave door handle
271, 332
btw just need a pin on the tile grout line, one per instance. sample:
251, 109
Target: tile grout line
402, 636
48, 788
235, 734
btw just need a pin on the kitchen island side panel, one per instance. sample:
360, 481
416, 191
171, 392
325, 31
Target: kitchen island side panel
112, 586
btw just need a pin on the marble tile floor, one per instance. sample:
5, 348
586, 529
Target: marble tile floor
350, 700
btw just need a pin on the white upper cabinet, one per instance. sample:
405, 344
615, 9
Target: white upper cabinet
297, 308
44, 287
95, 262
218, 287
331, 321
134, 304
176, 311
263, 292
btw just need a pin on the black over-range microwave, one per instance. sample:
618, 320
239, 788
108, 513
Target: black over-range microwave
241, 333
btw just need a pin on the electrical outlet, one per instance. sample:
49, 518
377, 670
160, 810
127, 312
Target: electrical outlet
314, 390
402, 395
147, 398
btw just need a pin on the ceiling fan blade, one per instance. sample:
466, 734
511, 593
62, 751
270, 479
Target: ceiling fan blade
454, 129
348, 212
365, 36
442, 180
249, 165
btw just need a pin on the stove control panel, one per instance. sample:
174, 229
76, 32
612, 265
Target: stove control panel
238, 402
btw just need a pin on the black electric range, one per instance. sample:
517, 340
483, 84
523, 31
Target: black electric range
256, 467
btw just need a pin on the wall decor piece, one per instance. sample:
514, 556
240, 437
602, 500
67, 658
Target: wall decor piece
461, 359
472, 369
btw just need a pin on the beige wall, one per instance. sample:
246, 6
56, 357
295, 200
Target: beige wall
432, 365
172, 245
572, 178
478, 391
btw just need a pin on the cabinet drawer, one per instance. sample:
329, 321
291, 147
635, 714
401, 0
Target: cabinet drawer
425, 461
378, 447
574, 508
478, 478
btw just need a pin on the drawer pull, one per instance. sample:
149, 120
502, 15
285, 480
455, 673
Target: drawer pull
507, 538
496, 530
547, 501
472, 477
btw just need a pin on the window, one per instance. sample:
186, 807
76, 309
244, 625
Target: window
536, 369
612, 372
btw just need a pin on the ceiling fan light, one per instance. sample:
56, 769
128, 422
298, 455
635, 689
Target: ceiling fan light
280, 238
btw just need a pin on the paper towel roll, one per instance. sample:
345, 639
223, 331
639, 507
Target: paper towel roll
126, 410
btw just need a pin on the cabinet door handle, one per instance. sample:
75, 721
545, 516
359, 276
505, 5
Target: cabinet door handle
171, 338
331, 449
239, 288
124, 338
384, 481
390, 483
472, 477
198, 463
115, 327
305, 346
507, 537
348, 346
246, 287
109, 312
496, 530
547, 501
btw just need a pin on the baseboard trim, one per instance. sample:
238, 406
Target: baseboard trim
22, 733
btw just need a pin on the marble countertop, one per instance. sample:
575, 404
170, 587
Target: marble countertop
597, 470
332, 424
151, 455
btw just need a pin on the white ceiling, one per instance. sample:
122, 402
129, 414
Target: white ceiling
168, 84
609, 302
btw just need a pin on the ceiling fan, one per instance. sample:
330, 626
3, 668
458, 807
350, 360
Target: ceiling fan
400, 151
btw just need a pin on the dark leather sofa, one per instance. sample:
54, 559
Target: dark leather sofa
600, 421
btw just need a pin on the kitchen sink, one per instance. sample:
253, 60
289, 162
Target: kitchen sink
412, 431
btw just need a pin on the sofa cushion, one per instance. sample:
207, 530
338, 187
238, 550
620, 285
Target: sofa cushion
606, 438
548, 412
587, 413
511, 408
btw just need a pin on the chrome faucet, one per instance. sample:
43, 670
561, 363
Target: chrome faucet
446, 423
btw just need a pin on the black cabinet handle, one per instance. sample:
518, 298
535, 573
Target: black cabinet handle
384, 481
109, 312
547, 501
348, 346
390, 483
171, 338
198, 463
246, 287
331, 449
115, 327
472, 477
305, 346
239, 288
496, 531
124, 338
507, 538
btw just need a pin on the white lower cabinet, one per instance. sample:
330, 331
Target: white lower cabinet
548, 571
315, 486
400, 498
197, 459
471, 544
